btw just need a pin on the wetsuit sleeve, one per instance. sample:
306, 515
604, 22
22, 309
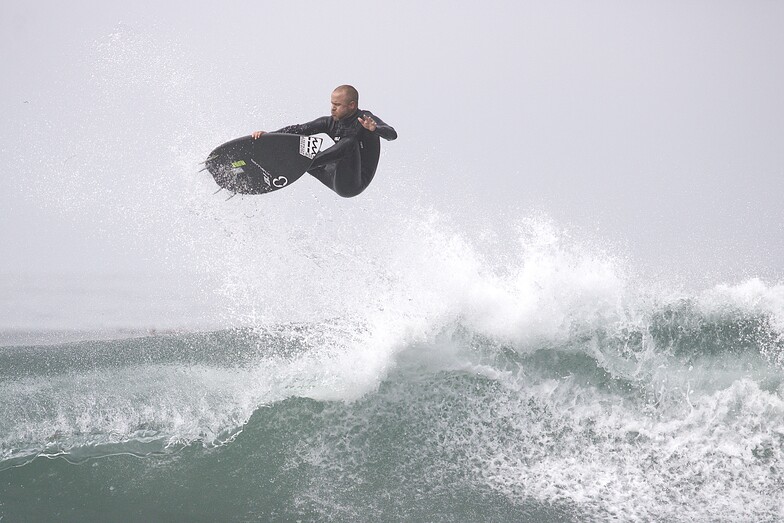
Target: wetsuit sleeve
319, 125
385, 131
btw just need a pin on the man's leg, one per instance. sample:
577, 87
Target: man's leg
334, 154
339, 168
325, 174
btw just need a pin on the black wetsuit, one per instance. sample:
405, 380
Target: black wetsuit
348, 166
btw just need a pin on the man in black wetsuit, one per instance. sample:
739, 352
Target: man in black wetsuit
348, 166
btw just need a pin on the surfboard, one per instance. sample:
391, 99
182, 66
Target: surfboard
266, 164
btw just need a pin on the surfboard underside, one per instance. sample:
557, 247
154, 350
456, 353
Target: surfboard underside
266, 164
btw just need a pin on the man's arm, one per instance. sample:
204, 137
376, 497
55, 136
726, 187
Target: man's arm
373, 123
319, 125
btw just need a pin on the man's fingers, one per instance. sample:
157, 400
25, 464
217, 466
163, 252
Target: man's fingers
367, 122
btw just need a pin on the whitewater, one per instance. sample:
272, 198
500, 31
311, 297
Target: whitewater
372, 359
444, 384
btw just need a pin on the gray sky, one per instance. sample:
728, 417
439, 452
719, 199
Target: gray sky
654, 126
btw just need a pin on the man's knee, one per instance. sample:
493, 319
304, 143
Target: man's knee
342, 149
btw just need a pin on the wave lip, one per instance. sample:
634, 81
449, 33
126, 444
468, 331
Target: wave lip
158, 393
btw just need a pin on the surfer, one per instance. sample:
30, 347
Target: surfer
348, 166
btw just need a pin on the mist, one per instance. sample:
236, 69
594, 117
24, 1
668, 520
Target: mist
650, 131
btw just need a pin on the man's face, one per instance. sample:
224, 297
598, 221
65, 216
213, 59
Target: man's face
341, 107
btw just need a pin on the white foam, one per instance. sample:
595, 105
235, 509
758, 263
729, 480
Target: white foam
612, 459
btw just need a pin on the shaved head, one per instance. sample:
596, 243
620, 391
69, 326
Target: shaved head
352, 95
344, 102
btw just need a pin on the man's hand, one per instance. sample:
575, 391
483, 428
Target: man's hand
256, 135
368, 123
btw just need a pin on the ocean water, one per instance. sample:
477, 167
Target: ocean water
449, 383
299, 357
